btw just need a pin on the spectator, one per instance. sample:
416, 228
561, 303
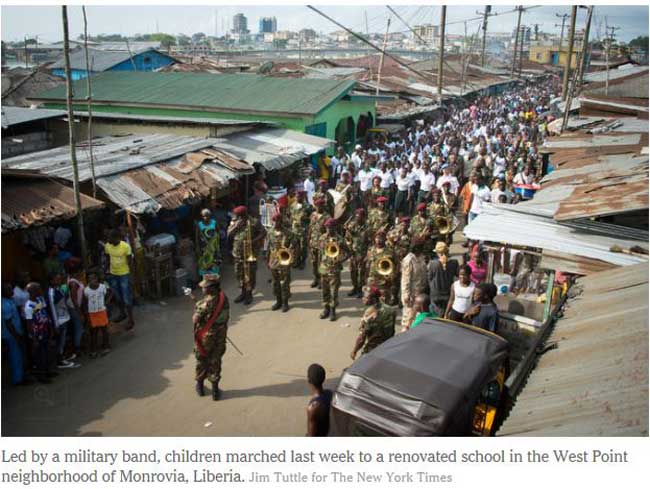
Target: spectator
57, 298
484, 313
478, 267
12, 335
96, 296
441, 275
318, 409
422, 310
76, 294
39, 328
121, 261
460, 295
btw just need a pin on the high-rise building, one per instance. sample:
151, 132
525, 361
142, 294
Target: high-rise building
427, 32
268, 25
240, 24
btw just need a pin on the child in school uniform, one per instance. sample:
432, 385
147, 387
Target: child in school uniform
96, 295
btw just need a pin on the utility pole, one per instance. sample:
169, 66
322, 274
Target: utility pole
381, 59
573, 88
569, 56
585, 46
609, 37
486, 14
89, 97
522, 35
564, 17
441, 56
73, 152
514, 52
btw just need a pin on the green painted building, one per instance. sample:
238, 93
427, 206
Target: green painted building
326, 108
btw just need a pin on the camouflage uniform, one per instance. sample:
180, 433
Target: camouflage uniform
327, 197
398, 242
413, 283
316, 226
375, 193
377, 219
356, 237
340, 187
214, 341
417, 228
238, 254
330, 269
378, 324
280, 274
300, 213
384, 283
434, 211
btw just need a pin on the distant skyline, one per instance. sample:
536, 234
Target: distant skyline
19, 22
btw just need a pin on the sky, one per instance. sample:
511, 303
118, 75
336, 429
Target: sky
45, 21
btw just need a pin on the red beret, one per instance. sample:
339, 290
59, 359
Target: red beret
283, 201
435, 190
240, 210
275, 217
360, 212
322, 181
319, 201
330, 223
301, 192
374, 292
382, 199
422, 206
405, 219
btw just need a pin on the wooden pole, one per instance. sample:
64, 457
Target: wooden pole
585, 46
569, 55
89, 97
514, 52
73, 153
381, 59
441, 55
485, 21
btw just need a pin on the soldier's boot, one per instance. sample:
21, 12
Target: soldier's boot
333, 314
315, 282
216, 393
200, 388
360, 294
353, 292
285, 305
326, 312
248, 297
240, 297
277, 304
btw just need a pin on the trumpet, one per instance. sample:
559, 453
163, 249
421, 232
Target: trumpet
385, 266
333, 250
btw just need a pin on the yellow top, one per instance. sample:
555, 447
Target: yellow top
119, 257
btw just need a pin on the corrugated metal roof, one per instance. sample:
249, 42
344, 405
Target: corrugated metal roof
33, 202
203, 121
592, 141
502, 225
245, 93
12, 116
112, 155
601, 76
274, 149
595, 383
99, 59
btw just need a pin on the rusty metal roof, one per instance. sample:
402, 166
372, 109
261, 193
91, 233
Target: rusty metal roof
33, 202
595, 383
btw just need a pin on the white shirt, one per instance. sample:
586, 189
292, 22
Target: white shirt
403, 184
453, 183
521, 179
427, 180
96, 298
462, 297
60, 313
495, 195
356, 159
20, 297
365, 179
309, 187
481, 194
386, 179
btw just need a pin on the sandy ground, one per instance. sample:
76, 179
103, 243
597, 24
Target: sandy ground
145, 386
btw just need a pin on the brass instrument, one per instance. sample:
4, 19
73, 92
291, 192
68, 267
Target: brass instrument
283, 254
333, 250
385, 266
249, 255
446, 224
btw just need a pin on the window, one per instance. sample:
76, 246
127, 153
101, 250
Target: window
147, 60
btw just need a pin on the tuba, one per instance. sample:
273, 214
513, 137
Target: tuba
446, 224
333, 250
385, 266
284, 255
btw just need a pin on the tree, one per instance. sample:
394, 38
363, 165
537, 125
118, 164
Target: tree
165, 40
640, 42
198, 38
183, 40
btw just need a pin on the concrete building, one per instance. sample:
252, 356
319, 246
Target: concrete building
552, 55
268, 25
240, 24
429, 32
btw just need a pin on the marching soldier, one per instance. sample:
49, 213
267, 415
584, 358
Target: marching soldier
448, 197
378, 218
398, 242
331, 263
345, 187
413, 281
210, 319
280, 240
356, 237
300, 212
322, 193
377, 323
377, 277
436, 209
247, 236
376, 191
316, 229
421, 226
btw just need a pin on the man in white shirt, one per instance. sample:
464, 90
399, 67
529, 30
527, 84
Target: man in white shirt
357, 156
480, 195
525, 177
448, 177
427, 180
386, 177
364, 177
309, 186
